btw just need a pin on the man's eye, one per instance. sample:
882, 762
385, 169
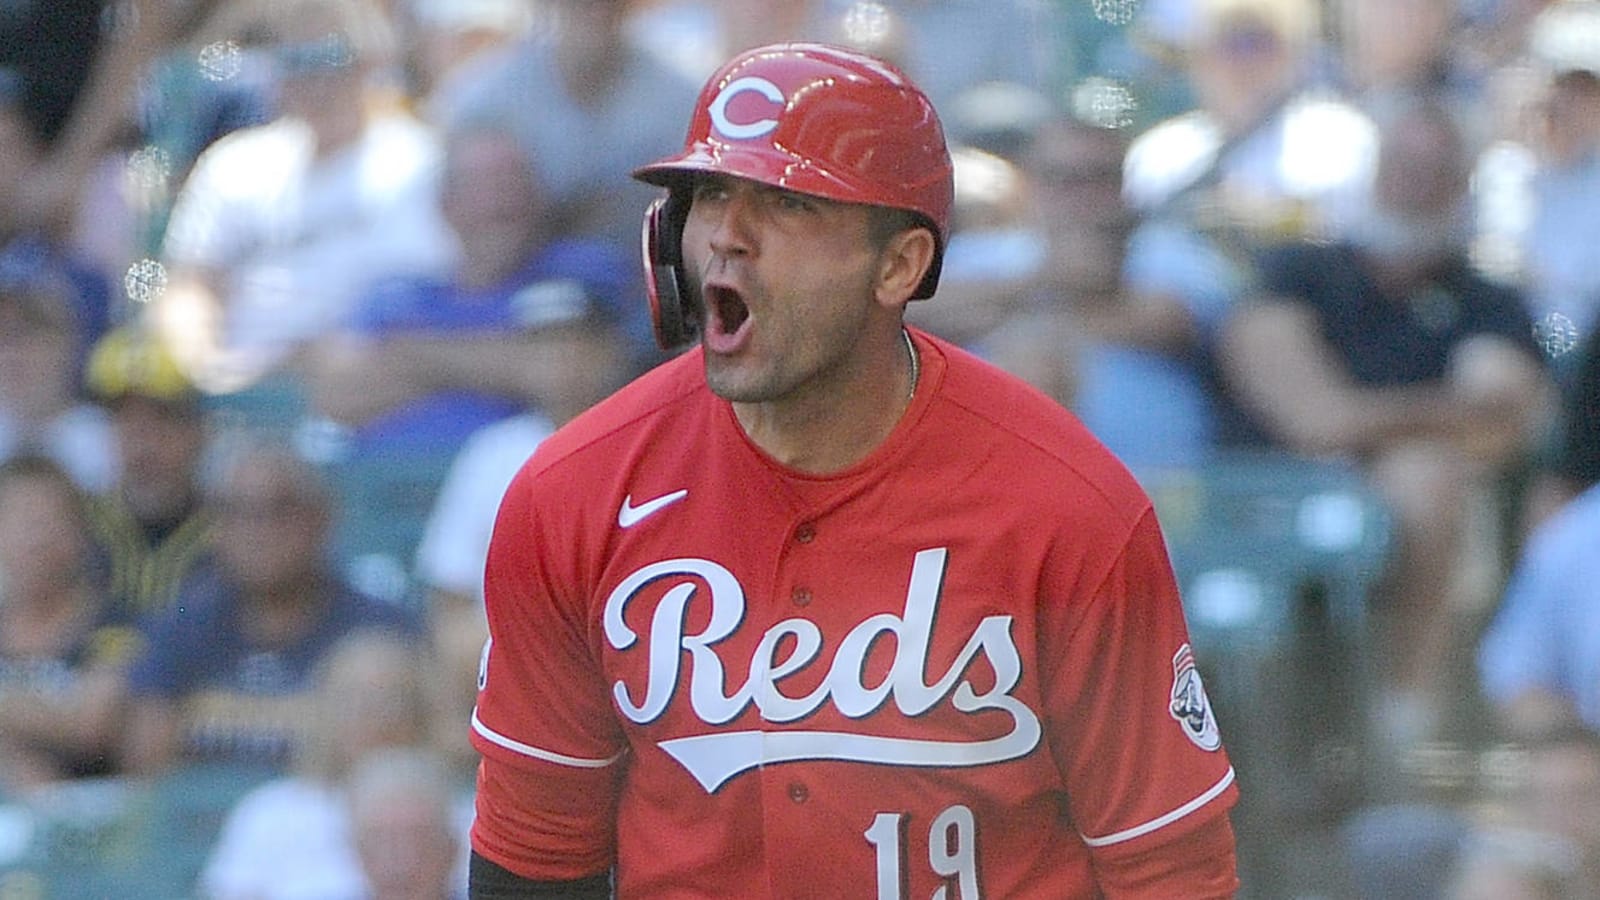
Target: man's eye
706, 190
795, 202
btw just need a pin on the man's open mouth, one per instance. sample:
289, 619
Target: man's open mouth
726, 309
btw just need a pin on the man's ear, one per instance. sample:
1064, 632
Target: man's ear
905, 259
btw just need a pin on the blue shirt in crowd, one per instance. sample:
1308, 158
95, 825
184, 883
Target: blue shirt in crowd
242, 701
1546, 634
567, 281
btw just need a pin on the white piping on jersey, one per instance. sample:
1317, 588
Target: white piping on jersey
1162, 821
517, 746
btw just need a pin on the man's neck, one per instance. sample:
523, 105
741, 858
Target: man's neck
832, 428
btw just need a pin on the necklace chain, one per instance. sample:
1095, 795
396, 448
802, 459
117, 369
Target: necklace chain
916, 363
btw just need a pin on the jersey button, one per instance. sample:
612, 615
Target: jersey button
798, 792
801, 596
806, 533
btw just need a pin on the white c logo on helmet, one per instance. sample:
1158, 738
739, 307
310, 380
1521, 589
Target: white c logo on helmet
737, 131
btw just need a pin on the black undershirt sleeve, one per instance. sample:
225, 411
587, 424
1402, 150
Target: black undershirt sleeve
487, 880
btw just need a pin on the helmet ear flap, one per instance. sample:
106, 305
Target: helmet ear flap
674, 313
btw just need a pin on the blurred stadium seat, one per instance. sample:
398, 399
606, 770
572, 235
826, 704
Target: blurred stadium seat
384, 503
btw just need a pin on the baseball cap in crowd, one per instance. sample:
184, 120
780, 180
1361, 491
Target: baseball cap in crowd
130, 362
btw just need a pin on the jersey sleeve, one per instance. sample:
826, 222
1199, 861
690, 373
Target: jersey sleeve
1131, 729
543, 724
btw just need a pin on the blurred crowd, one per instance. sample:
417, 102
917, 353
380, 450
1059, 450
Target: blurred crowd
290, 288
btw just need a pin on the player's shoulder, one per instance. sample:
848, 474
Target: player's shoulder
1020, 426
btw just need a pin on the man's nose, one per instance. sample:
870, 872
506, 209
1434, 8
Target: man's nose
732, 233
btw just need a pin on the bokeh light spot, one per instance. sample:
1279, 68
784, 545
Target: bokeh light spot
1115, 12
220, 60
1556, 334
146, 280
1104, 102
867, 24
147, 175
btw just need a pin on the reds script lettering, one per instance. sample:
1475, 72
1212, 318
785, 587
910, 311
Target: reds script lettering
715, 757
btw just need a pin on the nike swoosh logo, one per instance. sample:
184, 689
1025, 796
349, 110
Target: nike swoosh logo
630, 515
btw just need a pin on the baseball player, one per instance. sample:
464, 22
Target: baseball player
825, 606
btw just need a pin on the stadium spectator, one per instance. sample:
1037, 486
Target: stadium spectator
292, 836
1141, 386
209, 78
587, 103
1060, 314
525, 320
1539, 185
60, 648
528, 320
1538, 204
29, 252
227, 669
1390, 49
405, 810
981, 61
1267, 153
41, 407
47, 52
1561, 277
442, 37
1539, 660
280, 227
694, 36
72, 69
1389, 351
152, 526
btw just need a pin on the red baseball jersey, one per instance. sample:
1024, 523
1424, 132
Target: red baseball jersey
959, 668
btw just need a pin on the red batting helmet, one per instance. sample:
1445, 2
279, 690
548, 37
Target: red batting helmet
810, 118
